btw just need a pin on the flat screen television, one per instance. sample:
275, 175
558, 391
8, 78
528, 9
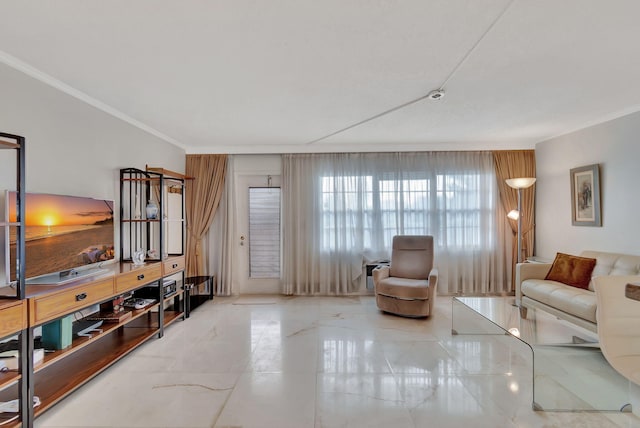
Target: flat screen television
62, 234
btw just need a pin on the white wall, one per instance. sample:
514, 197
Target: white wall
72, 148
615, 145
257, 165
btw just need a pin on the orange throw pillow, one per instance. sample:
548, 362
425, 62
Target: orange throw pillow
572, 270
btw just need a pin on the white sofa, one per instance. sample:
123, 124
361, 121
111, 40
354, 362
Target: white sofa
570, 303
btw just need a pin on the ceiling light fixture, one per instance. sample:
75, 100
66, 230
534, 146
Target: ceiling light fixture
436, 94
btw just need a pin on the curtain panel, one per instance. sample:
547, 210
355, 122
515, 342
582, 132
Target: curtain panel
342, 210
222, 235
515, 164
202, 198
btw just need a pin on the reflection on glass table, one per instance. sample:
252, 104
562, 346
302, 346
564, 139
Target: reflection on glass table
569, 371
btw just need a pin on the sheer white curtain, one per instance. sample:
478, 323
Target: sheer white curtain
221, 236
341, 210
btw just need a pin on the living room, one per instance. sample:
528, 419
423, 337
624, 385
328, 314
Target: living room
79, 134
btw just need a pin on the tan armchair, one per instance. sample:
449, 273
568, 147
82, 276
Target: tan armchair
407, 287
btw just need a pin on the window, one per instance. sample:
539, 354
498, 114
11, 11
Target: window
404, 205
343, 210
370, 208
461, 205
347, 202
264, 232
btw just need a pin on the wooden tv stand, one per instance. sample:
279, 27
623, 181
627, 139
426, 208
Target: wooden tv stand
63, 371
13, 321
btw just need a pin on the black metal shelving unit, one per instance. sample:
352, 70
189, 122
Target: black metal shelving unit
137, 232
152, 236
15, 290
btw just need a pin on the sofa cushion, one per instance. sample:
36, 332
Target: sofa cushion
613, 264
575, 301
572, 270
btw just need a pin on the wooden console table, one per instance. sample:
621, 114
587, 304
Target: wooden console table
65, 370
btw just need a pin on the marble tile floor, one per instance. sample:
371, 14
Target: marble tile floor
275, 361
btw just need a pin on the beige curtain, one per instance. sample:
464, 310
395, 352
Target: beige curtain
514, 164
222, 236
202, 199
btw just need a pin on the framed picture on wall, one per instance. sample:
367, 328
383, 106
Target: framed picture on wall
585, 196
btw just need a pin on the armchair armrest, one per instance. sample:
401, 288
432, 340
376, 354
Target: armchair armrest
433, 275
526, 271
433, 283
618, 319
379, 273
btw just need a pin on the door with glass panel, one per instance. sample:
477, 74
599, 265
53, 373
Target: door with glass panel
259, 237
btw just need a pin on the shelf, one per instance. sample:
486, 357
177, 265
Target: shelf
12, 423
142, 179
6, 394
168, 173
178, 293
171, 316
57, 381
79, 343
173, 309
8, 145
8, 378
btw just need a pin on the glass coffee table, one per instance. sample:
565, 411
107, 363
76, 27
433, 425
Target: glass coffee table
569, 371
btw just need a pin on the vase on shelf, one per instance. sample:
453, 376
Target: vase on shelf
152, 210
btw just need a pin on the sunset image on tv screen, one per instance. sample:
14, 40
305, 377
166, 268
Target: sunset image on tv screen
62, 232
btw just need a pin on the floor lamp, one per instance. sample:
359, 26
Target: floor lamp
519, 184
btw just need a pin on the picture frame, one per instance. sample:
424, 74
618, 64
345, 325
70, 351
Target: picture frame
585, 196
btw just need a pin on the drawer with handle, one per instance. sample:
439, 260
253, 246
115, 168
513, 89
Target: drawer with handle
173, 265
53, 305
138, 277
13, 317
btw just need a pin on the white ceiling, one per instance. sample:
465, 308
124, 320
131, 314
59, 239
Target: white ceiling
271, 76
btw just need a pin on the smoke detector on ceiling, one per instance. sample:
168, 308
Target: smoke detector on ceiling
436, 94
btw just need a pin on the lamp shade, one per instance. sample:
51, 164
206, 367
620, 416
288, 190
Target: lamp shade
520, 183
